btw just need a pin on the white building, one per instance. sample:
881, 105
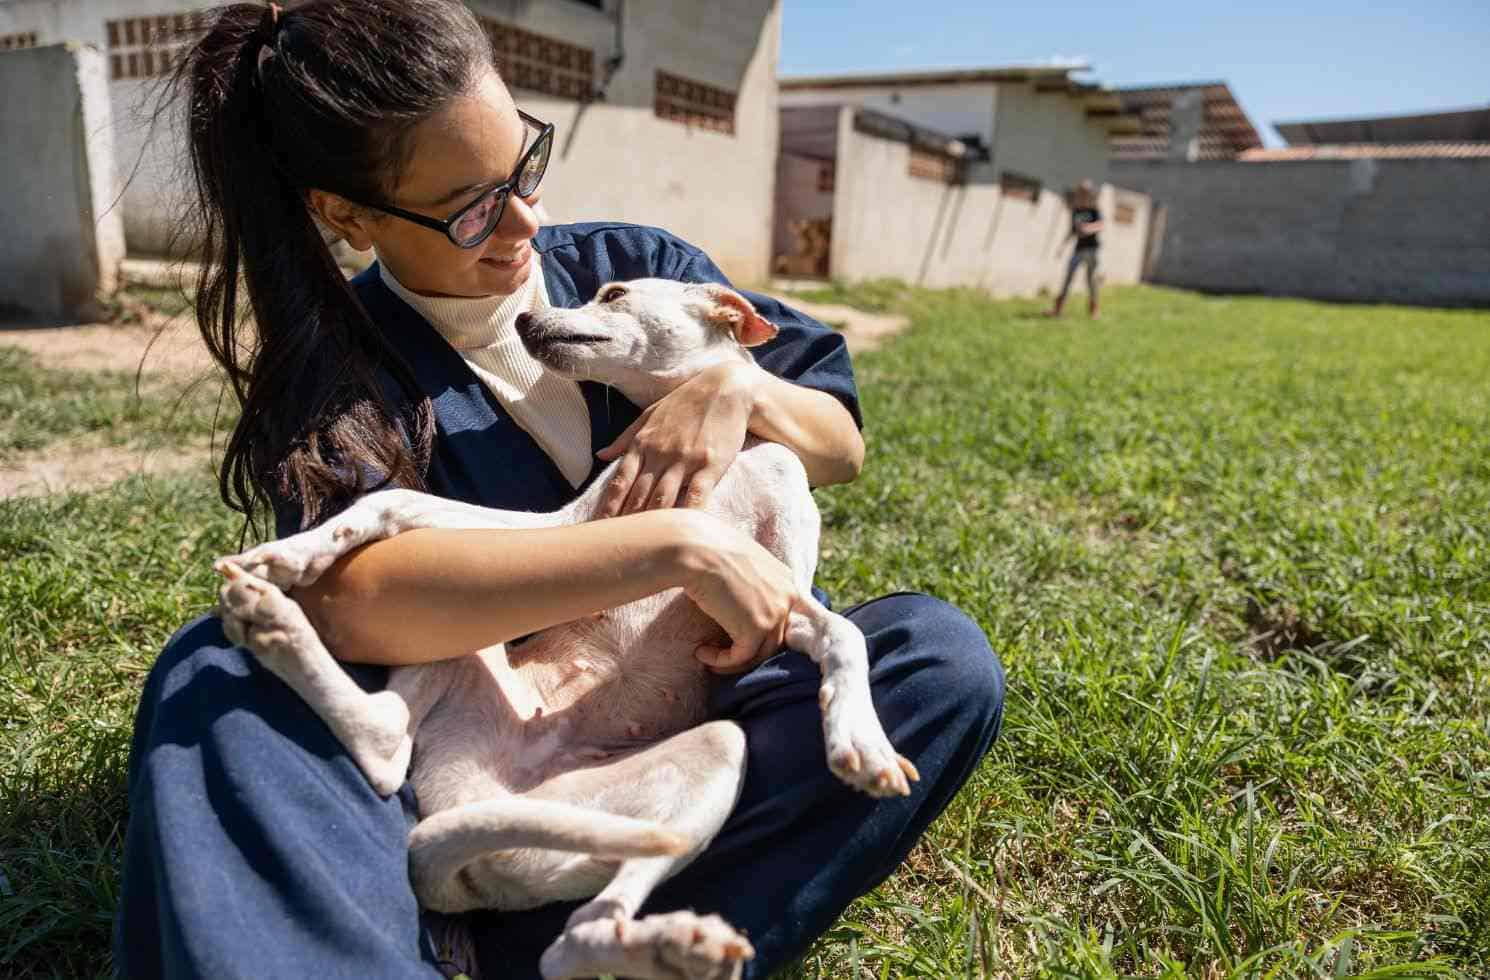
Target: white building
953, 177
684, 135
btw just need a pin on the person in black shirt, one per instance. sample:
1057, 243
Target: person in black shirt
1086, 224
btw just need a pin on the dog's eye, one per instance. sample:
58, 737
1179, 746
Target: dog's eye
612, 294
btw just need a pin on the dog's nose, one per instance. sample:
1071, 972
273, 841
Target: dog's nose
524, 324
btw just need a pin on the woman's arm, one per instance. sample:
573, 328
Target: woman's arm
811, 423
435, 594
678, 448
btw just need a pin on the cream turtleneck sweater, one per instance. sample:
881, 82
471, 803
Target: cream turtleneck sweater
483, 331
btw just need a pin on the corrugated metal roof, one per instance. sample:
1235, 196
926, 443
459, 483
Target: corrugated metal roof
1458, 126
1370, 151
932, 76
1226, 131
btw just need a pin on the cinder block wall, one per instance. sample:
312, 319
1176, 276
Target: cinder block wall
1398, 231
63, 238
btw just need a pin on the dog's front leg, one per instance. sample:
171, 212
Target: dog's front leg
859, 752
301, 559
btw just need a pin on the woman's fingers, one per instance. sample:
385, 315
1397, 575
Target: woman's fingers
619, 487
665, 492
700, 485
738, 657
641, 491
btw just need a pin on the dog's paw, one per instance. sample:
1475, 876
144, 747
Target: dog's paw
295, 561
256, 614
670, 946
859, 753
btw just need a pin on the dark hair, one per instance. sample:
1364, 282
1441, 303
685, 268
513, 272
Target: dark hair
321, 94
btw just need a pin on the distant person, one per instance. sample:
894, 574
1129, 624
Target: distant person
1086, 224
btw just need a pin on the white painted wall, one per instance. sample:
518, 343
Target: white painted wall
1044, 135
954, 109
617, 160
150, 164
1047, 135
887, 223
62, 245
614, 160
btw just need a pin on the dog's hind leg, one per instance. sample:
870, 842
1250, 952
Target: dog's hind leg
689, 783
472, 856
668, 946
373, 728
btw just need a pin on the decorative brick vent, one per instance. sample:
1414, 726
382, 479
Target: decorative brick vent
541, 64
147, 47
15, 42
933, 166
691, 103
1019, 187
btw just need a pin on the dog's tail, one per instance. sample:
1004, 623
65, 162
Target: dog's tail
441, 846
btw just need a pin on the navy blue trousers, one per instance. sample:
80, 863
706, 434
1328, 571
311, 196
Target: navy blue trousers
256, 848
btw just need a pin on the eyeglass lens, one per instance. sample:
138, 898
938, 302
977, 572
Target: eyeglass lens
479, 222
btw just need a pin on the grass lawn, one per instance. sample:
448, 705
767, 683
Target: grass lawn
1233, 554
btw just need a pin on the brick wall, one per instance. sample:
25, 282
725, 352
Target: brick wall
1399, 231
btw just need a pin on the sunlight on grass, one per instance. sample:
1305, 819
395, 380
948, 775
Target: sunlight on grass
1232, 551
40, 405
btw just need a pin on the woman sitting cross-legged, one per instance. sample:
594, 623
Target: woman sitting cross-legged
256, 848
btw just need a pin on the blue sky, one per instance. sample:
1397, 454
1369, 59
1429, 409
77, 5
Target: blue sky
1284, 61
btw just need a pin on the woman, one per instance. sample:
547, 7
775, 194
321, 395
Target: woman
255, 846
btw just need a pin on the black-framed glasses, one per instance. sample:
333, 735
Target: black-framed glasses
474, 223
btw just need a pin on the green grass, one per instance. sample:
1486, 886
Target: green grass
1232, 552
40, 405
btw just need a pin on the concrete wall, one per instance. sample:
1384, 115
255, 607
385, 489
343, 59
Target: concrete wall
956, 109
149, 162
887, 223
63, 241
1047, 135
1402, 231
617, 160
1044, 135
613, 160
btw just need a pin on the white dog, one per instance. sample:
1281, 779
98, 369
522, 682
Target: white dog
579, 763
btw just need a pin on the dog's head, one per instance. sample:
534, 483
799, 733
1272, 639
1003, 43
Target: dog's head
647, 336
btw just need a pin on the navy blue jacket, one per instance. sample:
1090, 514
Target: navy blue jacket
480, 454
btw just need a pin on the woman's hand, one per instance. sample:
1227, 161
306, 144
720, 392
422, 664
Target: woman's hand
677, 451
743, 588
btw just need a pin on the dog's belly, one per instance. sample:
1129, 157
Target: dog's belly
574, 696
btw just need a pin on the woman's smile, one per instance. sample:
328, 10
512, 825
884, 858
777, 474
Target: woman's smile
509, 258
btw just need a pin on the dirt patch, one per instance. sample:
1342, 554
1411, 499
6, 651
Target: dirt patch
156, 343
160, 346
862, 331
87, 464
1278, 628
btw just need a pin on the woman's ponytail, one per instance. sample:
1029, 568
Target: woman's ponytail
321, 95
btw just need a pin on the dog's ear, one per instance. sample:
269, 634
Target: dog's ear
732, 311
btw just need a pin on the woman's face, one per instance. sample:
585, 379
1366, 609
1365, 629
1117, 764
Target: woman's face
475, 142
